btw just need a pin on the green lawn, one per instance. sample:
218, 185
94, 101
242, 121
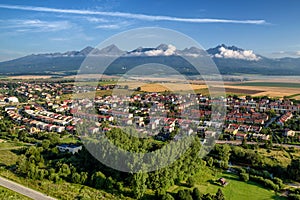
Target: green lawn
11, 195
7, 158
235, 190
270, 84
92, 83
69, 139
7, 155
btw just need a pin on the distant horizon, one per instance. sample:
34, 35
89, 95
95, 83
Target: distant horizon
122, 49
269, 28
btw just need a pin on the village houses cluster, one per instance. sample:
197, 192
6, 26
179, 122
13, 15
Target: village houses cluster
43, 108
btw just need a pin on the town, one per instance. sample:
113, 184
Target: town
40, 106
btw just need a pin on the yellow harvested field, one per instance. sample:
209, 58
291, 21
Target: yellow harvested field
170, 87
268, 91
161, 87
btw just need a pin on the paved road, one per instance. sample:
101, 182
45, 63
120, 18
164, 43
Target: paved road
236, 142
23, 190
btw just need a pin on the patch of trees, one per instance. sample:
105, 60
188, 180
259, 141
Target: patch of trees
46, 162
293, 170
294, 194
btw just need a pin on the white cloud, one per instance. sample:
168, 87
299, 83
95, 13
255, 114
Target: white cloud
155, 52
131, 15
171, 50
283, 54
36, 25
108, 26
95, 19
238, 54
114, 25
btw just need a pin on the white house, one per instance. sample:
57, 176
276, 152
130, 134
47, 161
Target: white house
69, 148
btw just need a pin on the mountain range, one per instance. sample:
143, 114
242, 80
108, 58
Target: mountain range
229, 60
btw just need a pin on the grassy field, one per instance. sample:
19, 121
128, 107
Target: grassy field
255, 88
270, 84
277, 156
235, 190
11, 195
61, 190
69, 139
91, 83
7, 156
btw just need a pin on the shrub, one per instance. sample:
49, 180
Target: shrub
196, 194
279, 182
266, 182
191, 182
244, 177
167, 197
294, 197
238, 169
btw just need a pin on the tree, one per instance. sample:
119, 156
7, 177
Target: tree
224, 153
75, 178
45, 144
83, 177
244, 142
220, 195
244, 177
167, 197
196, 194
184, 195
64, 170
210, 161
98, 180
22, 165
22, 135
272, 113
138, 89
294, 169
139, 184
191, 182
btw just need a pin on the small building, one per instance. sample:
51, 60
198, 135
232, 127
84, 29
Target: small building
69, 148
288, 133
240, 136
222, 181
12, 100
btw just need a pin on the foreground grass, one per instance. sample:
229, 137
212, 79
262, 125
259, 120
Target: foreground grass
62, 190
11, 195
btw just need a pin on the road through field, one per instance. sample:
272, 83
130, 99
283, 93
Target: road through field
23, 190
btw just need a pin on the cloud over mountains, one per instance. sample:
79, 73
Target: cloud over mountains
235, 53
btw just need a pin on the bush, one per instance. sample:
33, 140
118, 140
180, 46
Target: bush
191, 182
266, 182
294, 197
239, 170
279, 182
244, 177
196, 194
167, 197
184, 195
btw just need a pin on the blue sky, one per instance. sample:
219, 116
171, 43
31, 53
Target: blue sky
269, 27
